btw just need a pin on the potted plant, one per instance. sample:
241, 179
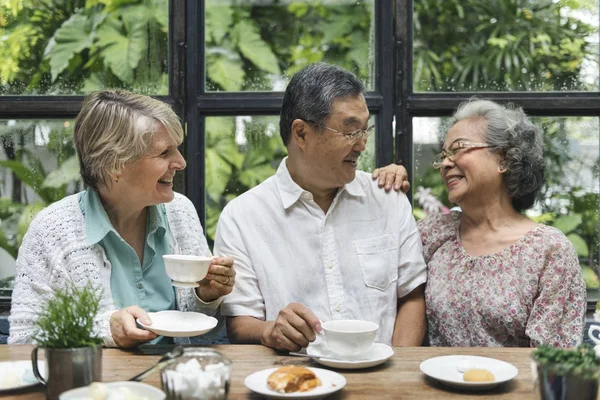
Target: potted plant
73, 352
566, 373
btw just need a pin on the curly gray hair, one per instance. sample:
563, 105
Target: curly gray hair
518, 142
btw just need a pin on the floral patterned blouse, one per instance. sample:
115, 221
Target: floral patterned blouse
530, 293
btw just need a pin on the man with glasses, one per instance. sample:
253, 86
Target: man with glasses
319, 240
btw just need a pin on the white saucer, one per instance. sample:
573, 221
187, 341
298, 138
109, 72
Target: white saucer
173, 323
22, 371
444, 369
138, 389
331, 382
377, 354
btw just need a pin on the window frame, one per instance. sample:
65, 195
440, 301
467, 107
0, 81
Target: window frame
210, 104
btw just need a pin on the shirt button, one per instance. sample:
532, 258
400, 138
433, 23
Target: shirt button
330, 266
139, 285
338, 308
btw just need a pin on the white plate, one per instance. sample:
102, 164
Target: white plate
173, 323
377, 354
331, 382
444, 369
136, 388
22, 370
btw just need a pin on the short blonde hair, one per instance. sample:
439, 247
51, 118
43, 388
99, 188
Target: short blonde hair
115, 127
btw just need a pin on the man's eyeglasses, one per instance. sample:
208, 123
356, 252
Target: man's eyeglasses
351, 136
450, 153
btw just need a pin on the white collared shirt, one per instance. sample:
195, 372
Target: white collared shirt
352, 262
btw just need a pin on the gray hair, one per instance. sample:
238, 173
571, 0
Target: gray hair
311, 93
115, 127
518, 142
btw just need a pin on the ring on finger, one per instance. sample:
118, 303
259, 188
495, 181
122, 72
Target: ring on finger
227, 281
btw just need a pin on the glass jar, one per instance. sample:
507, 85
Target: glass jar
200, 373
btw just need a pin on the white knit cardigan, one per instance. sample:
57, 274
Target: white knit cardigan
54, 252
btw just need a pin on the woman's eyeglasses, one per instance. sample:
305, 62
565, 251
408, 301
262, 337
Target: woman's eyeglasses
450, 153
351, 136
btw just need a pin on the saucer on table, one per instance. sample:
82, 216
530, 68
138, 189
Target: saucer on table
331, 382
19, 374
445, 370
377, 354
136, 389
173, 323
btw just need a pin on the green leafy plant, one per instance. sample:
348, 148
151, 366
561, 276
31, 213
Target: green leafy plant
67, 320
581, 362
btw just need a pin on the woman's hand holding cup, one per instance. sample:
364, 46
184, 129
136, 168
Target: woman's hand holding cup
219, 280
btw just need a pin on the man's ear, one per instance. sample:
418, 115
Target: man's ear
299, 131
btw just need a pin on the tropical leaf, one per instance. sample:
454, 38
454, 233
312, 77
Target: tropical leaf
71, 38
226, 72
580, 245
29, 177
567, 223
27, 216
219, 17
254, 48
253, 176
123, 44
159, 11
218, 173
66, 173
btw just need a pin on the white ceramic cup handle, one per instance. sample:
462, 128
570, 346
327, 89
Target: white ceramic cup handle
593, 328
321, 334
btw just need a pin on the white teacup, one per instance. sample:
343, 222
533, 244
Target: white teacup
595, 339
349, 338
186, 271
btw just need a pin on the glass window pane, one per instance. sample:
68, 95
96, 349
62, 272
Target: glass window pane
256, 45
571, 150
505, 45
74, 47
243, 151
38, 166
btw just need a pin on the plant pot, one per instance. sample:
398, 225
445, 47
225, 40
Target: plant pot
68, 368
549, 385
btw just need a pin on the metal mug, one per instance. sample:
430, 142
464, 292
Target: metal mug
68, 368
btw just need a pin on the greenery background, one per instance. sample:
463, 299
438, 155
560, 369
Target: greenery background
75, 46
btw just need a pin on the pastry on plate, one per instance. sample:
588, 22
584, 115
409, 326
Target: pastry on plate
292, 379
478, 375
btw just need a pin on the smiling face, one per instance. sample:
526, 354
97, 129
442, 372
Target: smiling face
149, 179
472, 175
330, 158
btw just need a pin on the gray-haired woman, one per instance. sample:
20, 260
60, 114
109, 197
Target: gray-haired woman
495, 277
115, 233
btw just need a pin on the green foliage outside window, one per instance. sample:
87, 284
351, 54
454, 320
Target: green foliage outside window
74, 46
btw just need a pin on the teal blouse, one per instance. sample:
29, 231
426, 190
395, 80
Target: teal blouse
144, 284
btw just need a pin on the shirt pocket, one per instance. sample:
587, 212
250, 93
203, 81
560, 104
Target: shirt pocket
378, 260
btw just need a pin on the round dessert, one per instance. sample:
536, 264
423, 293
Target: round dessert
478, 375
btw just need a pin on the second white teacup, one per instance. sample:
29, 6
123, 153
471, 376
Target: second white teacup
349, 338
186, 271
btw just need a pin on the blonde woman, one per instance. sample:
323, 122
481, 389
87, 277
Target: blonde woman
115, 233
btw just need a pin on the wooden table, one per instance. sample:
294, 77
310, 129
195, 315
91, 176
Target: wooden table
399, 378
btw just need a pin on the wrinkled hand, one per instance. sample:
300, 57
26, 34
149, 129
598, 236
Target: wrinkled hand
124, 329
392, 174
219, 281
294, 328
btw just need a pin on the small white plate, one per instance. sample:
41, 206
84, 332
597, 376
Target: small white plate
331, 382
20, 371
137, 388
445, 370
377, 354
173, 323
